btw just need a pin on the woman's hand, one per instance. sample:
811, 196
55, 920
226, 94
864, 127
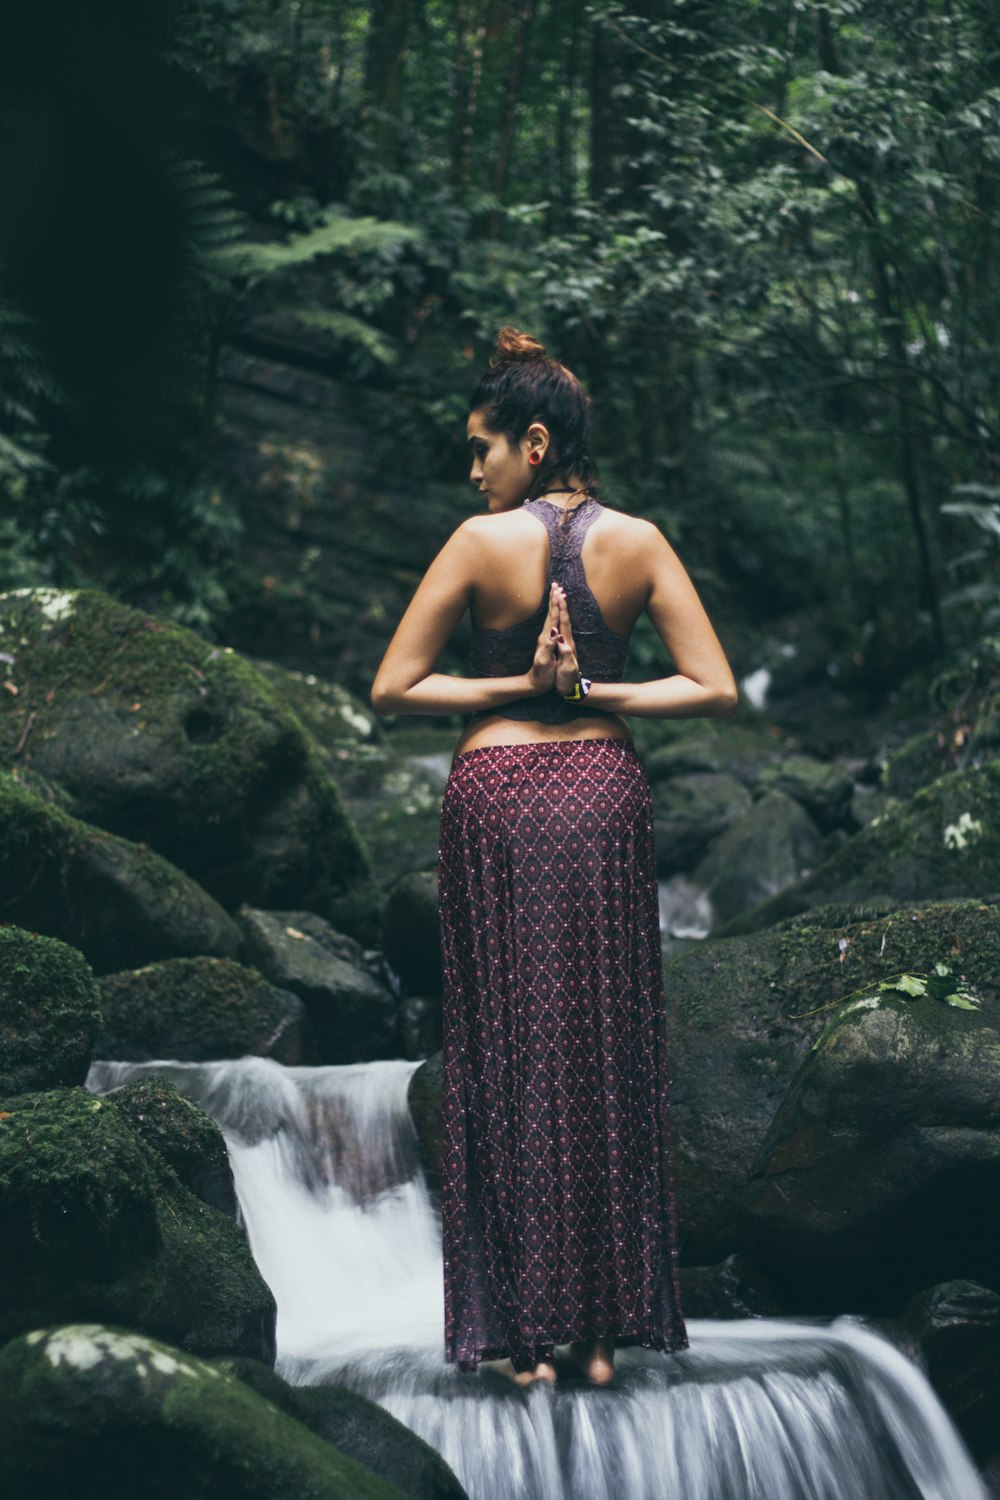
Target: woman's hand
542, 676
567, 673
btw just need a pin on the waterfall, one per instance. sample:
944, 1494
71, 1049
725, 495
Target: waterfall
345, 1232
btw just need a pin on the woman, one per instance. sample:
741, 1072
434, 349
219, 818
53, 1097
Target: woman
558, 1216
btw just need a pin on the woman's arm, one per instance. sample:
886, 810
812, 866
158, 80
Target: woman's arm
703, 685
406, 682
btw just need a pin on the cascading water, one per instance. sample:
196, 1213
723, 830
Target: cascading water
347, 1235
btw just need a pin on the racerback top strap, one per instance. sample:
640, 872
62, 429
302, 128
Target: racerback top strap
509, 651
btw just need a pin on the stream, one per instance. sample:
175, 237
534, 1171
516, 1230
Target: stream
347, 1235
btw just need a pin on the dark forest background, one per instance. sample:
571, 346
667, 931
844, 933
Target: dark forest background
253, 255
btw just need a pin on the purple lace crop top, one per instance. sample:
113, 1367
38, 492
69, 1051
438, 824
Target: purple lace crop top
600, 651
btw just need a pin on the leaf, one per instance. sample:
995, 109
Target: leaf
907, 984
963, 1001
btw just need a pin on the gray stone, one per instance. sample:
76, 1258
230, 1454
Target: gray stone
351, 1015
880, 1173
767, 851
691, 810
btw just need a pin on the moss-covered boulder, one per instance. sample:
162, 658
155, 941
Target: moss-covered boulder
689, 811
183, 1135
351, 1015
335, 718
943, 842
162, 737
98, 1225
91, 1410
118, 902
768, 850
49, 1013
411, 933
358, 1427
196, 1009
881, 1171
740, 1026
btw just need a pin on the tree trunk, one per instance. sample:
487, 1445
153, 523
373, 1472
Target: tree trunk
388, 41
468, 72
512, 95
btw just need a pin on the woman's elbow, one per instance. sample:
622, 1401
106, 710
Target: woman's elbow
382, 701
727, 700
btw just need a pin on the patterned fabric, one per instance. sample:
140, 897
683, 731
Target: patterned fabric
558, 1209
601, 652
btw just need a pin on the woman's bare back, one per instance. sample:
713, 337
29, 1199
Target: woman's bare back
511, 575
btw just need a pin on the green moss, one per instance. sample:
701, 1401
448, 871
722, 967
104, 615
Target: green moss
49, 1012
195, 1009
150, 1419
102, 685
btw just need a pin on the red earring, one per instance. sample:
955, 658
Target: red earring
534, 458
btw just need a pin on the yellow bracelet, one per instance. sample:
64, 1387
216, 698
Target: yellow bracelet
579, 692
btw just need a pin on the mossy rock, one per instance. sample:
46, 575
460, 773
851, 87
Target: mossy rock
918, 761
358, 1427
196, 1009
183, 1135
740, 1025
944, 842
118, 902
103, 1413
49, 1013
880, 1173
162, 737
955, 1329
334, 718
718, 746
98, 1225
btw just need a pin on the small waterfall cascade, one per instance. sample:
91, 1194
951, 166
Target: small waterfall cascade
348, 1237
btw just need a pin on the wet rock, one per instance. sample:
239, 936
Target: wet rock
691, 810
335, 718
941, 843
351, 1015
196, 1009
424, 1099
739, 1028
183, 1135
880, 1173
49, 1013
97, 1224
716, 746
92, 1410
118, 902
823, 789
159, 736
956, 1328
420, 1025
358, 1427
768, 850
732, 1289
411, 933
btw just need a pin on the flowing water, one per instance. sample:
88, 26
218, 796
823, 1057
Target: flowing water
348, 1237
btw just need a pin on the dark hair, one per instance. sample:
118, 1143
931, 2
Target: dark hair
523, 385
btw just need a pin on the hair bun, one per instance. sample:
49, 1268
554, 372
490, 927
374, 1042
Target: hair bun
515, 347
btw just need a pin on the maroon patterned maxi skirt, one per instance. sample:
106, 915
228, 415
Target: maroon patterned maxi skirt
558, 1211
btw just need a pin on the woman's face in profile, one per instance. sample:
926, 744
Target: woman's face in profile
500, 472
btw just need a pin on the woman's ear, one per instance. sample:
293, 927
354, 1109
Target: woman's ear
537, 437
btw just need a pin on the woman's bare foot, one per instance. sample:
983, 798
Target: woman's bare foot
544, 1370
595, 1358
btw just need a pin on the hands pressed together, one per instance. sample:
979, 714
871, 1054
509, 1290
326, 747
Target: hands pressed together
555, 664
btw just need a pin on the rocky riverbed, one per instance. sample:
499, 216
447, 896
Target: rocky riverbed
206, 856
